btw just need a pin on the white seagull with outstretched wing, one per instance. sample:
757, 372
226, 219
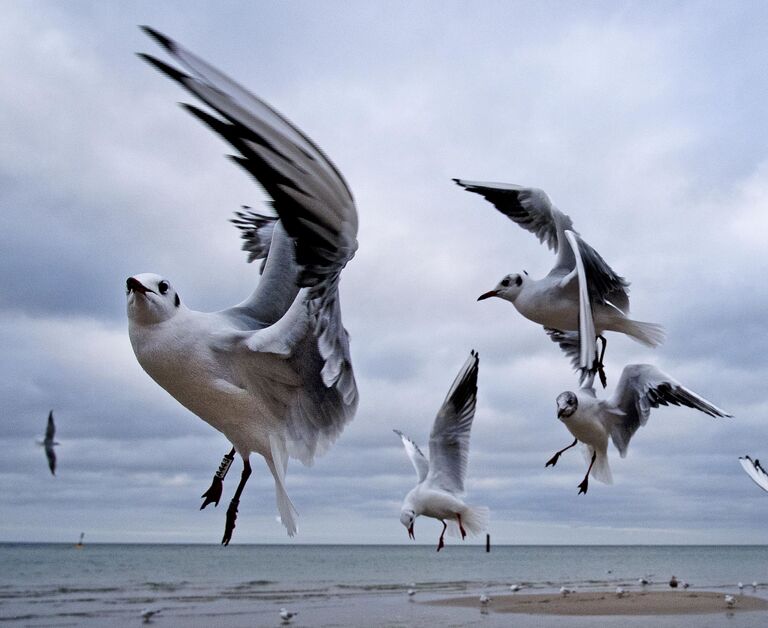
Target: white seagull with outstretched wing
581, 293
272, 373
441, 478
755, 470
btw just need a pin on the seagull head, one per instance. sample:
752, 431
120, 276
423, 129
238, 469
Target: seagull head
407, 517
151, 299
508, 288
567, 404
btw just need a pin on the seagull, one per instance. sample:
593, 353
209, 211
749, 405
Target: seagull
411, 592
686, 584
592, 421
619, 592
741, 586
754, 586
642, 581
515, 588
484, 599
148, 613
441, 478
287, 615
565, 592
48, 443
581, 292
673, 582
730, 601
755, 471
272, 373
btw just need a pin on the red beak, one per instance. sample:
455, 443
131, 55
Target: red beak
488, 295
410, 532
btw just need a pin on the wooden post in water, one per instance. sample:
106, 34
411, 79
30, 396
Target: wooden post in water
487, 543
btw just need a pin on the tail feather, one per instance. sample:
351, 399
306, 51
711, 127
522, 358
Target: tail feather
649, 334
601, 470
277, 465
474, 519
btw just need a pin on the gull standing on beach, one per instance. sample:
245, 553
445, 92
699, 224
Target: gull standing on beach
48, 443
581, 292
441, 478
755, 471
593, 421
272, 373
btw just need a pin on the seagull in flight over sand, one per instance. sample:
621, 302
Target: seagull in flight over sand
755, 470
593, 421
272, 373
48, 443
441, 478
581, 292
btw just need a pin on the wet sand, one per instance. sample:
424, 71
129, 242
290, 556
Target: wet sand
607, 603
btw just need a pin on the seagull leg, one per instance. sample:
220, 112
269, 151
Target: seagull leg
585, 483
553, 460
600, 365
213, 494
441, 543
461, 527
232, 510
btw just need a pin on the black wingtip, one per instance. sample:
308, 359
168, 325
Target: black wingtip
161, 39
458, 182
169, 70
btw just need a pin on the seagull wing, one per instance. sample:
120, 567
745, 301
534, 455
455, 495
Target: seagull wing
310, 245
756, 472
640, 388
605, 286
50, 429
256, 231
449, 439
533, 211
419, 460
570, 345
51, 455
587, 335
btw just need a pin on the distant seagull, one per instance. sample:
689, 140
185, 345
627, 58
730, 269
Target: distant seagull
754, 586
287, 615
730, 601
441, 478
48, 443
619, 592
593, 421
642, 582
272, 373
685, 584
411, 592
565, 592
515, 588
148, 613
484, 599
581, 293
673, 582
741, 586
755, 471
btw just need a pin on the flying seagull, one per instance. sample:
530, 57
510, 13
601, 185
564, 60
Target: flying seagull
48, 443
441, 478
580, 293
593, 421
755, 470
272, 373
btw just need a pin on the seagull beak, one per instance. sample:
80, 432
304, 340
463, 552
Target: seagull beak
560, 412
410, 533
134, 285
488, 295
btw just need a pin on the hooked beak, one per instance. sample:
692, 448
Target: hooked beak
134, 285
488, 295
410, 532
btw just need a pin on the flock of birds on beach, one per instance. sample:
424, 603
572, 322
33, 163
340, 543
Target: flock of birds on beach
274, 373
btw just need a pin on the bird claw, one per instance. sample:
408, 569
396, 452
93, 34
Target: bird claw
440, 544
213, 494
583, 487
230, 525
552, 461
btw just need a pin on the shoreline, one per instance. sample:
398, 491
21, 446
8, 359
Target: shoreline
608, 603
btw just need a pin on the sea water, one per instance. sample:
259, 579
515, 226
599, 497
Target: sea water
342, 585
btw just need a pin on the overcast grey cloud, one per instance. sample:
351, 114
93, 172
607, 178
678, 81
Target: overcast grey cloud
644, 121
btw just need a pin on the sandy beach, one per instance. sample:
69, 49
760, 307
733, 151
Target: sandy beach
607, 603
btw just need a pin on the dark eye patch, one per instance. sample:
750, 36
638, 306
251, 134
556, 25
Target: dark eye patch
163, 286
505, 282
518, 280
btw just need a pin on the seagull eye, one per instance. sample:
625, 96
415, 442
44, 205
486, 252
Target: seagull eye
163, 286
505, 282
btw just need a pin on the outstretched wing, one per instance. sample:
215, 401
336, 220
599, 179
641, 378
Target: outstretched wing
419, 460
755, 471
51, 456
640, 388
50, 429
449, 439
605, 286
316, 234
532, 210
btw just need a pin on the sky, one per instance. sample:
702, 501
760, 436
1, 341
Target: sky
644, 121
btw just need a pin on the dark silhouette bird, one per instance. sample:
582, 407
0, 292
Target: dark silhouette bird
48, 443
